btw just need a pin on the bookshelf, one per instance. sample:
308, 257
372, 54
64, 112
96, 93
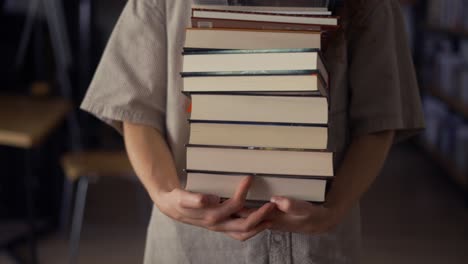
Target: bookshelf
449, 166
443, 49
453, 32
454, 104
446, 164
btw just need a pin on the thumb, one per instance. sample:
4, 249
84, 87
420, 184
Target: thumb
290, 206
193, 200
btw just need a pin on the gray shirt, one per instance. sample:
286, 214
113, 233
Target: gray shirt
373, 89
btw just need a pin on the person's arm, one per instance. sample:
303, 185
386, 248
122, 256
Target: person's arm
151, 159
363, 162
153, 163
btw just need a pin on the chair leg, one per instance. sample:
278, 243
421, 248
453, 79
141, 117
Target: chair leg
30, 207
67, 201
78, 215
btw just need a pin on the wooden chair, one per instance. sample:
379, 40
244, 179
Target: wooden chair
80, 168
25, 123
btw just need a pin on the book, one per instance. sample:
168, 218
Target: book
219, 38
240, 24
260, 161
266, 17
258, 135
262, 188
267, 9
208, 60
308, 81
264, 109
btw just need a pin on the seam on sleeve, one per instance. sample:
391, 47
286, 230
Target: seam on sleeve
402, 130
114, 116
159, 10
377, 124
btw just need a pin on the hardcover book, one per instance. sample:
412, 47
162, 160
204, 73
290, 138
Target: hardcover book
258, 135
219, 38
266, 17
260, 161
310, 110
262, 188
208, 60
266, 9
242, 24
280, 82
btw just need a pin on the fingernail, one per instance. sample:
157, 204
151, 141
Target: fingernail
274, 199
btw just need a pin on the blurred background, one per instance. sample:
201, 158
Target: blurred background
66, 182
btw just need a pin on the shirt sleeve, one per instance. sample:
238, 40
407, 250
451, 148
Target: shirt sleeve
384, 90
131, 80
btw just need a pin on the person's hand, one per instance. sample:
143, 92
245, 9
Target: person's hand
302, 216
299, 216
206, 211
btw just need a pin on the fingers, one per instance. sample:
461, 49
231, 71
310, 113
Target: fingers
198, 200
193, 205
232, 205
243, 188
205, 210
243, 236
245, 224
245, 212
258, 216
291, 206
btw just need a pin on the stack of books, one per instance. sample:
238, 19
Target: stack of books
258, 85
